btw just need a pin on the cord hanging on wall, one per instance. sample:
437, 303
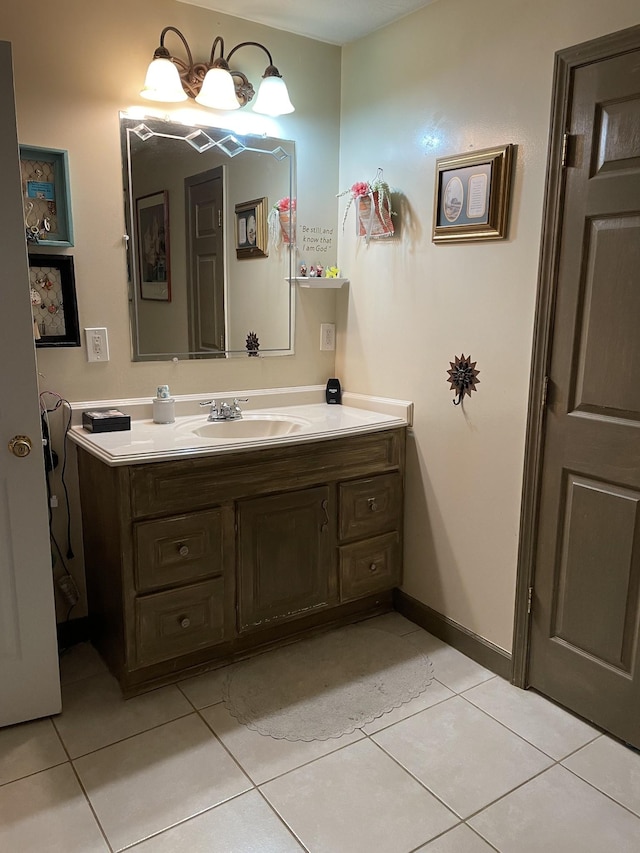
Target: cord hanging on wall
463, 377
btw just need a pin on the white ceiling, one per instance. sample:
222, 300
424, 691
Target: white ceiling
333, 21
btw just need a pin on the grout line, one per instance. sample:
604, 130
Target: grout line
435, 837
82, 788
599, 790
419, 781
93, 811
129, 737
283, 821
182, 822
228, 751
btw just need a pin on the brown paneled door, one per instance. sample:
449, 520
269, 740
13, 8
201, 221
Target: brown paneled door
585, 629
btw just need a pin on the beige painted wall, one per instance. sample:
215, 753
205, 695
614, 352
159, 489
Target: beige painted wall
76, 67
456, 76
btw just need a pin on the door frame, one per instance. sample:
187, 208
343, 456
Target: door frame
566, 61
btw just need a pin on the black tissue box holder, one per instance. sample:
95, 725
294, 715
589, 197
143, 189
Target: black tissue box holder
106, 420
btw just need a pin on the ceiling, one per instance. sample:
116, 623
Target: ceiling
333, 21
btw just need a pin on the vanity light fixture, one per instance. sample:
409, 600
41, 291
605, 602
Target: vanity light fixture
213, 84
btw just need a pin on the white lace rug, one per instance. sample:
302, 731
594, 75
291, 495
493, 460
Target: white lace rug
326, 686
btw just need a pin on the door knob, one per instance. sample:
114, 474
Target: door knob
20, 445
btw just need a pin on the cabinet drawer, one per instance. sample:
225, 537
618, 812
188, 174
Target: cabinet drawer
370, 566
179, 549
370, 506
174, 622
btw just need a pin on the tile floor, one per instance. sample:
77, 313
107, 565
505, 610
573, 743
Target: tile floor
472, 765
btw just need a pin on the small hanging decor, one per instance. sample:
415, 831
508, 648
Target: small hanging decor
463, 377
282, 223
373, 207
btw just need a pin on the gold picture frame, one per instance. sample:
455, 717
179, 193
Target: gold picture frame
251, 229
472, 195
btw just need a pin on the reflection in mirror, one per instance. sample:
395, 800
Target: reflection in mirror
203, 273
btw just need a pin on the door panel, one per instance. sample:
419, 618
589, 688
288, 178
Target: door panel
595, 610
205, 262
29, 675
285, 563
585, 627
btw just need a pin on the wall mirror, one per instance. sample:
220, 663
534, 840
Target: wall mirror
203, 270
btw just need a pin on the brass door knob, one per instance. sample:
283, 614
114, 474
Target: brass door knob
373, 568
185, 622
20, 445
183, 550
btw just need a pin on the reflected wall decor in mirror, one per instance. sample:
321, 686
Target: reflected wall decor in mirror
190, 295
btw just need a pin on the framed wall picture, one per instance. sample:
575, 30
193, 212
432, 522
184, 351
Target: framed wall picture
53, 301
46, 196
472, 195
251, 229
152, 244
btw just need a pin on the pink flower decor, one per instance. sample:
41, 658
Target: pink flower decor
285, 204
361, 188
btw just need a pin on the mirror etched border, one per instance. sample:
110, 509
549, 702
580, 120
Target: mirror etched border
275, 271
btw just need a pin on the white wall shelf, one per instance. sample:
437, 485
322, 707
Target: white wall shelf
321, 281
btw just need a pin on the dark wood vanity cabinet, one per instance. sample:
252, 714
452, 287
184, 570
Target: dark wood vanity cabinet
195, 562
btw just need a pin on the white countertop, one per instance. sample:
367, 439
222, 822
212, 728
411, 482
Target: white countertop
147, 441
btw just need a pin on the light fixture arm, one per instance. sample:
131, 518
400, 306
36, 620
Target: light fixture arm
163, 53
192, 74
250, 44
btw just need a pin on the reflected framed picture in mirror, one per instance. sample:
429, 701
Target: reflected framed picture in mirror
251, 229
152, 224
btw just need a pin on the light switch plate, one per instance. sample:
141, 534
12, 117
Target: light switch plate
97, 344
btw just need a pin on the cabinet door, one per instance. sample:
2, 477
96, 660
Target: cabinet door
286, 565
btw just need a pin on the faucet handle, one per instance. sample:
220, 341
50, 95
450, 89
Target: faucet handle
237, 400
208, 403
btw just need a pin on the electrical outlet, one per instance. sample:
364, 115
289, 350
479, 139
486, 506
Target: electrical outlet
97, 344
327, 336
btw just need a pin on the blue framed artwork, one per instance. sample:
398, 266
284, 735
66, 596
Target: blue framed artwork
47, 197
472, 195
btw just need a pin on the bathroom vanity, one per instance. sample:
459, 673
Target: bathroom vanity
199, 555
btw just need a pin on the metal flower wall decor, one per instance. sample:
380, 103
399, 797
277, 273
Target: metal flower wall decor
463, 377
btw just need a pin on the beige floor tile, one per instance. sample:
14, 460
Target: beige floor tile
357, 800
206, 689
263, 757
152, 781
545, 725
29, 748
392, 622
462, 755
48, 813
456, 671
612, 768
94, 714
243, 825
80, 661
434, 693
461, 839
556, 811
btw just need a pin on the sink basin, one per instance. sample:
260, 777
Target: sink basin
250, 426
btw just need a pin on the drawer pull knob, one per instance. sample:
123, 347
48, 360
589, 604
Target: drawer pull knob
373, 568
183, 550
373, 506
185, 622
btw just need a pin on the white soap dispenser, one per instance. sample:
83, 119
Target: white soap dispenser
164, 406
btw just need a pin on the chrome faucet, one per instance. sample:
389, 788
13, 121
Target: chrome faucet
225, 411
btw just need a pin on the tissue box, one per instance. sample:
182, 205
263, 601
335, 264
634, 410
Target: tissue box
106, 420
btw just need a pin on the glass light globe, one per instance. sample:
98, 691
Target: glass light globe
163, 83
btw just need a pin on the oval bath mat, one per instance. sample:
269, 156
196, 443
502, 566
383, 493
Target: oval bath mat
326, 686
